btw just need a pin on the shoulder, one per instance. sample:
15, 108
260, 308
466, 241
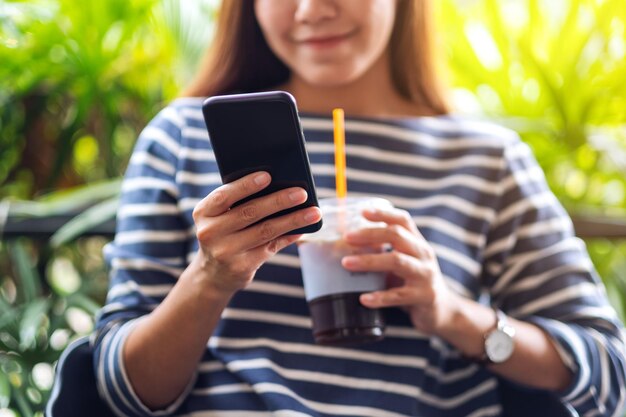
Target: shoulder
490, 138
174, 127
451, 134
183, 112
178, 121
465, 128
187, 106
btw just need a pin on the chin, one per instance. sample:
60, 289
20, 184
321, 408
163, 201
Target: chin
330, 79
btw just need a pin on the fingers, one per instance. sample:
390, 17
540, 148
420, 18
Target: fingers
405, 266
400, 238
269, 230
217, 205
255, 257
260, 234
392, 216
275, 245
257, 209
222, 198
400, 296
401, 232
243, 252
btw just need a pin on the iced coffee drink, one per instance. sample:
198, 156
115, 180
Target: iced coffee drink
332, 291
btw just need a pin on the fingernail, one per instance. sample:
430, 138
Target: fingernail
368, 298
311, 215
370, 211
297, 195
350, 260
262, 178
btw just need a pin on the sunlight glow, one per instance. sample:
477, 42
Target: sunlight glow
484, 46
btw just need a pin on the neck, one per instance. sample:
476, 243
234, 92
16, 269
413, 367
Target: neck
372, 95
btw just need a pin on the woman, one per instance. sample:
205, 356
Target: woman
206, 315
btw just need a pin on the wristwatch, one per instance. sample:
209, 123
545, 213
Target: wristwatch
499, 342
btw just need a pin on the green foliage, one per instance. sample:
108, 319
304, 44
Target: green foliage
39, 317
554, 72
78, 82
51, 291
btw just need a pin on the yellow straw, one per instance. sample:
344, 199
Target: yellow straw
340, 153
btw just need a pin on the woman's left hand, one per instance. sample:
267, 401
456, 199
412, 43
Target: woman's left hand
422, 290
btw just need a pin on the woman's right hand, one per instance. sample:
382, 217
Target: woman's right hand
229, 251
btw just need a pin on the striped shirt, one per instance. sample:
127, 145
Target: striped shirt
476, 194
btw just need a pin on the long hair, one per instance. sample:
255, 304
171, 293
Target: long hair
239, 59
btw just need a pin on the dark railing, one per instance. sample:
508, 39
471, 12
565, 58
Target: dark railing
44, 227
587, 227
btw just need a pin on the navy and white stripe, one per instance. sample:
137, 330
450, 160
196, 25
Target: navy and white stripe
477, 195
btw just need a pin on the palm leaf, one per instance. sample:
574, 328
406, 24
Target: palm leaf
86, 220
64, 201
29, 284
32, 319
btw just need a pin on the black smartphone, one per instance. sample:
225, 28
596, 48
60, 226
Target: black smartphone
261, 132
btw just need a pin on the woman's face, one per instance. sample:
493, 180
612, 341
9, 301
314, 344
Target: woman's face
327, 42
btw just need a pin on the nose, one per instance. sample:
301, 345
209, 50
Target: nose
314, 11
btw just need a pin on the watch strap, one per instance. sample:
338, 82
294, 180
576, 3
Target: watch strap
501, 319
502, 324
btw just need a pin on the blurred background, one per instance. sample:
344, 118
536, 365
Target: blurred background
78, 81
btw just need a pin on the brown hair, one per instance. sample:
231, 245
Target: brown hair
239, 59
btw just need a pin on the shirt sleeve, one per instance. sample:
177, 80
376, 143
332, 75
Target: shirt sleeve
536, 270
146, 257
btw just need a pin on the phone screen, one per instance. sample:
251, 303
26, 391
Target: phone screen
259, 135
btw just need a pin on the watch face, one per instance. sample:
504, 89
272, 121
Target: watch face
498, 346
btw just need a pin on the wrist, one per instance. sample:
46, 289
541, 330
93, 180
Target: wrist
204, 283
469, 323
499, 342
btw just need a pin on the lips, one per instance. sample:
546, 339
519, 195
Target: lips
321, 41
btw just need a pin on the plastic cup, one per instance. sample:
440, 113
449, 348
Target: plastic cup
332, 292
